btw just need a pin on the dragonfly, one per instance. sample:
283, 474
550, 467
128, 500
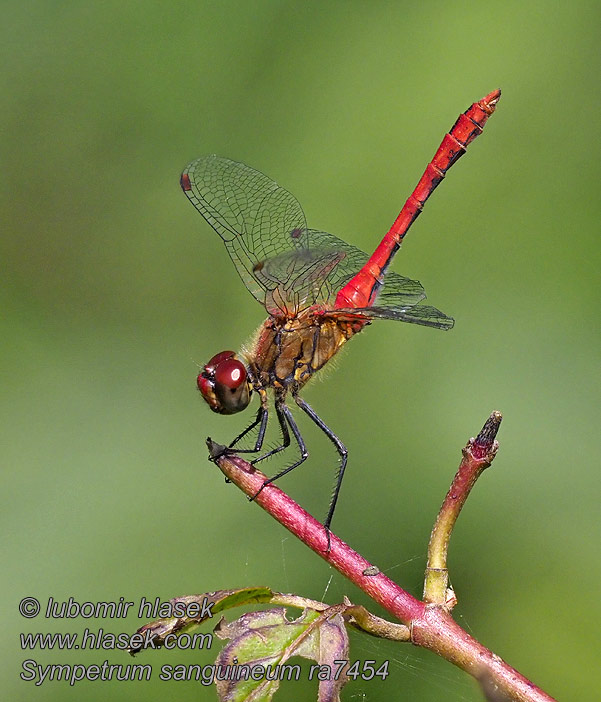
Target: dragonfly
318, 290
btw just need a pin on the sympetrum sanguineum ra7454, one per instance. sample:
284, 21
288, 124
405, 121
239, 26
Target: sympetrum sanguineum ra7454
318, 290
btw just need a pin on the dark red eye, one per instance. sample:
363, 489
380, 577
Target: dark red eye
217, 359
204, 384
230, 373
224, 383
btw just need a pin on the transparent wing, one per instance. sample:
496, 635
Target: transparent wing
286, 266
258, 221
426, 315
398, 297
297, 277
406, 291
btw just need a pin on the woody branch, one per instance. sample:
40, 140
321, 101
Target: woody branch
478, 454
429, 621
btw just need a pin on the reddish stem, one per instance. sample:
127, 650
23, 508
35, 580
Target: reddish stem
477, 455
311, 532
432, 626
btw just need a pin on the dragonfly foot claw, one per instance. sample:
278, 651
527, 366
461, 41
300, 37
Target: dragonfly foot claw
259, 491
216, 450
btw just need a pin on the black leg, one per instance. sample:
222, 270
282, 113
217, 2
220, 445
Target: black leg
285, 437
340, 447
261, 418
286, 415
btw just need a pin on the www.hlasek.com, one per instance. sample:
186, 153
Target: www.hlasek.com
99, 639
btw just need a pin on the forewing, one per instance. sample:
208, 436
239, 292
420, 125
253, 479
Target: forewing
285, 266
257, 219
298, 277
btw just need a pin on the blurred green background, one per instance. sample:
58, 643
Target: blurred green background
115, 290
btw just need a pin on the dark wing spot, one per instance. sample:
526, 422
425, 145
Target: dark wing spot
295, 233
258, 266
184, 181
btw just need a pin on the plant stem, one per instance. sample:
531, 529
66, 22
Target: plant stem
431, 624
478, 454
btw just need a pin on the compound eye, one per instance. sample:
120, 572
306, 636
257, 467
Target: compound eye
230, 373
217, 359
232, 388
224, 384
205, 385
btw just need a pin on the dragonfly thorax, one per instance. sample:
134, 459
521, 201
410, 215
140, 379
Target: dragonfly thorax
287, 352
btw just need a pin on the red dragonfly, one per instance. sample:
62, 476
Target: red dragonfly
318, 290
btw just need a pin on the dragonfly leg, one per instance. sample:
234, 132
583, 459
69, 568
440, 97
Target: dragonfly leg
285, 438
260, 419
286, 416
342, 451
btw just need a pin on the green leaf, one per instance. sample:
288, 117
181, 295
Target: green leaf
191, 611
250, 667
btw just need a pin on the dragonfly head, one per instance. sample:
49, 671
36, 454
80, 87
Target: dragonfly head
224, 384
